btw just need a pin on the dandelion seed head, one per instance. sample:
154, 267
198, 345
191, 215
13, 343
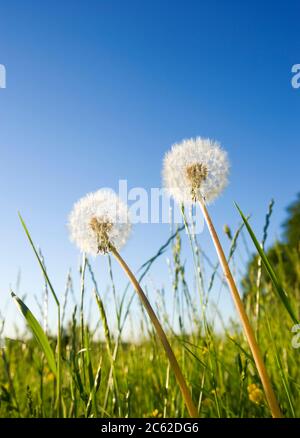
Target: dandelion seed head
195, 167
99, 220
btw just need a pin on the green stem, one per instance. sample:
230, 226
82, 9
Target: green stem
270, 395
161, 334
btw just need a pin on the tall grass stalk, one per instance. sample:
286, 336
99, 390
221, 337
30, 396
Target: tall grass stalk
82, 328
259, 264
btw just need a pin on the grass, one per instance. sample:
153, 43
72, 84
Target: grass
74, 373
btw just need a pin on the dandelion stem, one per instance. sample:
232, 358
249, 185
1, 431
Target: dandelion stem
168, 349
271, 398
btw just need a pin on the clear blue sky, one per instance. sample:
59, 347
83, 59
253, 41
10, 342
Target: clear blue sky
97, 91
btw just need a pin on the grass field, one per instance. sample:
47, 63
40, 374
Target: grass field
79, 375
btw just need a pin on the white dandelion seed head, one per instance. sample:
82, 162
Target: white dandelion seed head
195, 167
98, 220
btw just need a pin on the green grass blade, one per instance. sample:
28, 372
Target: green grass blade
59, 404
39, 259
37, 331
278, 288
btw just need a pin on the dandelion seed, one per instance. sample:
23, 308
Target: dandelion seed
98, 220
195, 167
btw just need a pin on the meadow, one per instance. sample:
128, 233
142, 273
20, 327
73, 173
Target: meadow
79, 374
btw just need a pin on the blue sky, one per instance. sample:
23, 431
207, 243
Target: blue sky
97, 91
